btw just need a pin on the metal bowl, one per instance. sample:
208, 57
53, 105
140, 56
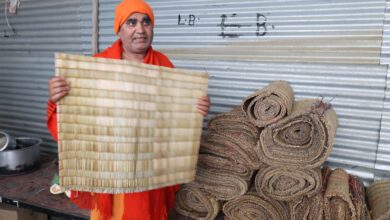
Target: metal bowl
6, 141
22, 158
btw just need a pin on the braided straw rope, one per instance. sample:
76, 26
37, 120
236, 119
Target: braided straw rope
125, 126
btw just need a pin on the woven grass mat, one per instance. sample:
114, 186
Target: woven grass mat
194, 203
326, 172
221, 185
230, 123
240, 148
252, 206
338, 203
304, 139
125, 126
235, 130
311, 208
359, 198
308, 208
270, 104
224, 165
378, 196
287, 184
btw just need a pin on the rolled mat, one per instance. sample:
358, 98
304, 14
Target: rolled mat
252, 206
326, 171
224, 165
231, 122
311, 208
240, 148
304, 139
337, 199
359, 198
238, 132
287, 184
270, 104
223, 186
378, 195
192, 202
308, 208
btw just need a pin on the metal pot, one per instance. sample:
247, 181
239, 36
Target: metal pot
23, 157
6, 141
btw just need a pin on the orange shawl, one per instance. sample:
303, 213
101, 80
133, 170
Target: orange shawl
148, 205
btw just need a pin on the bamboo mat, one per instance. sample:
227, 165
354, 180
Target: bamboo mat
125, 126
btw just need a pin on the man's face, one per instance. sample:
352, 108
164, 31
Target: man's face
136, 33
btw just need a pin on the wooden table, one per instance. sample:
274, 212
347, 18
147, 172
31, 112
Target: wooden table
31, 190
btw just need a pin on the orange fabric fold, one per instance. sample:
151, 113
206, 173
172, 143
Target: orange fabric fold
128, 7
148, 205
51, 119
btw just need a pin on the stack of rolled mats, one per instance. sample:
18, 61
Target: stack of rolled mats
262, 161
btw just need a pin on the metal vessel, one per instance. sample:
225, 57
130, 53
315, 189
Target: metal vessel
6, 141
21, 158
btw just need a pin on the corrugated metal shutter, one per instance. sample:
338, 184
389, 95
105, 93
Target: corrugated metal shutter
27, 62
106, 23
346, 31
385, 57
86, 26
382, 164
299, 31
280, 31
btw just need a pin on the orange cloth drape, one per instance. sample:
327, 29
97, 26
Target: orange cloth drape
148, 205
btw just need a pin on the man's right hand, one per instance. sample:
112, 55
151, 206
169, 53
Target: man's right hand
58, 88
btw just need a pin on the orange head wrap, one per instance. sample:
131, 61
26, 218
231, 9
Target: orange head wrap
128, 7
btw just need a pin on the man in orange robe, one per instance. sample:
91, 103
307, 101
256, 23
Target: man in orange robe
134, 22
